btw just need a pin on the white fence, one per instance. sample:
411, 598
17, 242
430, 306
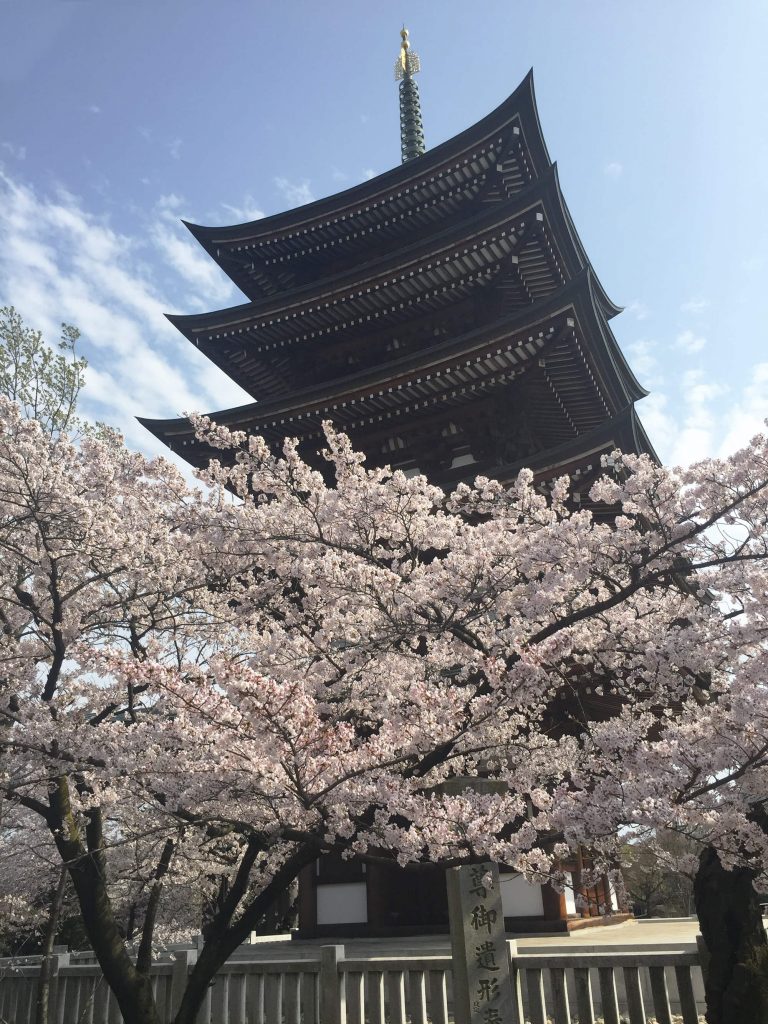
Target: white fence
336, 989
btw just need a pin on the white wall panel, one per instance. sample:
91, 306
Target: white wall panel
570, 896
342, 903
519, 898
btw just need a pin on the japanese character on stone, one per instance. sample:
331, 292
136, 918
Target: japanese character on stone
485, 956
487, 989
491, 1015
477, 888
482, 917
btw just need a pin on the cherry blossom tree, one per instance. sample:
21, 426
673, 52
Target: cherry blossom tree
217, 687
45, 383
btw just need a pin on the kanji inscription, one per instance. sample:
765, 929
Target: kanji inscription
482, 985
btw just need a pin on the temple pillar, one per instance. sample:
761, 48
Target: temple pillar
308, 897
376, 892
553, 903
579, 893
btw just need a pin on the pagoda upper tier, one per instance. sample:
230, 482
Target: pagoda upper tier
503, 260
445, 314
488, 163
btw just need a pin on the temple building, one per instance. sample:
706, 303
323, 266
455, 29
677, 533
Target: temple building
445, 315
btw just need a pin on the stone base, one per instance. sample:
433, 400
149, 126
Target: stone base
540, 926
516, 925
365, 931
591, 922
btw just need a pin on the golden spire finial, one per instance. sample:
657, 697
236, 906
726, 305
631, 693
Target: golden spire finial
407, 63
411, 128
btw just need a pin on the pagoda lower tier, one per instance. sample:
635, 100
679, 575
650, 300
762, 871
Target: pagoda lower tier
547, 388
445, 316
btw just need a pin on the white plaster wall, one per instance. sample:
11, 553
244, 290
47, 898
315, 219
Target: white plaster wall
612, 896
570, 896
342, 903
519, 898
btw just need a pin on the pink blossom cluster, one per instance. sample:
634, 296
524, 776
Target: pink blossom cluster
253, 673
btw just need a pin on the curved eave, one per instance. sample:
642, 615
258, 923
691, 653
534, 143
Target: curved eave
371, 379
623, 431
613, 374
609, 308
613, 357
425, 362
545, 192
642, 441
521, 103
576, 297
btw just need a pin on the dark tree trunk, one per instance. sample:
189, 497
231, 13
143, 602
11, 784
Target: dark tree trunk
223, 935
736, 981
51, 927
132, 989
87, 868
144, 955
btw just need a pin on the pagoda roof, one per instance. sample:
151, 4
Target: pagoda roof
591, 381
428, 274
580, 457
367, 309
420, 192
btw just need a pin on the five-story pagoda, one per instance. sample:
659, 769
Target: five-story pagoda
446, 316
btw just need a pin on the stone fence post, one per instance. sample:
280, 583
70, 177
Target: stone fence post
332, 991
182, 961
60, 958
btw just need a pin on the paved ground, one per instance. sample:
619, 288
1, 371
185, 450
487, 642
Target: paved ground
670, 933
655, 931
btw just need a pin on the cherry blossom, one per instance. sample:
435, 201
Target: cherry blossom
202, 691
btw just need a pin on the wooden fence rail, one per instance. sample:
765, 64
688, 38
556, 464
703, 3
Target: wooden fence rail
563, 988
633, 986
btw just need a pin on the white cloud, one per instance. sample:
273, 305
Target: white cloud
174, 148
747, 416
686, 429
753, 264
94, 109
694, 436
642, 359
690, 342
244, 212
60, 262
170, 206
697, 304
342, 178
17, 152
638, 309
614, 169
658, 422
706, 418
185, 256
698, 389
192, 264
295, 193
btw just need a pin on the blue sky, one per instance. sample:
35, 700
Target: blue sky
117, 119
